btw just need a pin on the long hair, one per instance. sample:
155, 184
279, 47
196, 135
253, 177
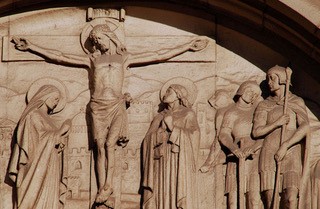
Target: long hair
105, 30
182, 94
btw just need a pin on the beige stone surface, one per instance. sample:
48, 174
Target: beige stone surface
307, 8
230, 58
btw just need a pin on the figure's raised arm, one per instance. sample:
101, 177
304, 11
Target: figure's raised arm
55, 56
166, 53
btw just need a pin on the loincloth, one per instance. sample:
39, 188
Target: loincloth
109, 116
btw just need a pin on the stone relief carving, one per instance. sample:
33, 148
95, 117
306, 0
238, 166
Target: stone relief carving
170, 150
170, 166
282, 118
107, 64
36, 161
235, 135
79, 158
221, 101
6, 132
309, 188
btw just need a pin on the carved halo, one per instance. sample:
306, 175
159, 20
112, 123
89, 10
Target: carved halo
114, 25
49, 81
186, 83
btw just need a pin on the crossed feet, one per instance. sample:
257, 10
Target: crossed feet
103, 195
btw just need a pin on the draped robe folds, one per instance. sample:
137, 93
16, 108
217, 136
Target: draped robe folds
308, 188
36, 162
170, 162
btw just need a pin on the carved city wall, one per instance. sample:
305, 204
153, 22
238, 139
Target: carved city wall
141, 29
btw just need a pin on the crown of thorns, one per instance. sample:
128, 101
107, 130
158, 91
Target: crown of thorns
102, 28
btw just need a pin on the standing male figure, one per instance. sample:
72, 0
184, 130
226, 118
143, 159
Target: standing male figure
268, 121
235, 135
107, 65
221, 101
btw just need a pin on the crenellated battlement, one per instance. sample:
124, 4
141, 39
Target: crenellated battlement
79, 151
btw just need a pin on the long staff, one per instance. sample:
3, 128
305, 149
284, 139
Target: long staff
242, 179
276, 200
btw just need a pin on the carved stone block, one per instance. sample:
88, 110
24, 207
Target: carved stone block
159, 109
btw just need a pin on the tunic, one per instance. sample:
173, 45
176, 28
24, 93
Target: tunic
267, 112
238, 122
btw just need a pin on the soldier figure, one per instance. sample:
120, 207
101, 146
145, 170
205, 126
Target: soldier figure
268, 121
107, 65
235, 135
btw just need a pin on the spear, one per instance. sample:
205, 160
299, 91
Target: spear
276, 199
242, 179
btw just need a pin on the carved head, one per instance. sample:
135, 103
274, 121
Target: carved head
53, 100
170, 96
220, 99
103, 38
276, 77
280, 72
184, 90
249, 91
180, 93
46, 95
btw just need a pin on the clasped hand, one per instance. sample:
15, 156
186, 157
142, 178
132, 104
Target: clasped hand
282, 151
243, 153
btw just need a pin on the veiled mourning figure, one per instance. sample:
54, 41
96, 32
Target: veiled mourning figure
35, 164
107, 66
271, 117
170, 151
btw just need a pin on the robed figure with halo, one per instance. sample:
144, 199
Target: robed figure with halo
170, 150
36, 161
107, 61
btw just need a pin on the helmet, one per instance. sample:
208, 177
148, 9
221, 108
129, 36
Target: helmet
248, 84
280, 72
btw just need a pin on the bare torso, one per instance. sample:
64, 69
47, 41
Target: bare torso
107, 76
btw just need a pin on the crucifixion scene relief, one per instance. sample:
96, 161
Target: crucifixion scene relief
133, 105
